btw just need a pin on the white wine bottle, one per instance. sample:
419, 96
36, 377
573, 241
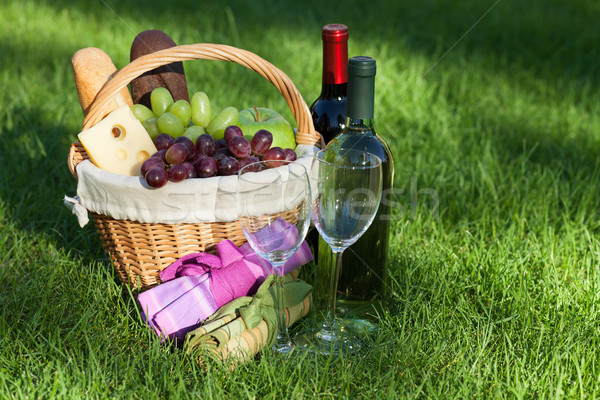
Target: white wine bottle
362, 278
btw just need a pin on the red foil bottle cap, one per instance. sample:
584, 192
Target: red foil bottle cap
335, 33
335, 54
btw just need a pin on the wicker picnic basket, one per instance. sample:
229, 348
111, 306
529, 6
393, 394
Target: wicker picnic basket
139, 251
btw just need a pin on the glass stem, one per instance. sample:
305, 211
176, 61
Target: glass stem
334, 275
283, 336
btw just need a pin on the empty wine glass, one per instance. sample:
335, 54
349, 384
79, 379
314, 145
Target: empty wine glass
274, 212
346, 195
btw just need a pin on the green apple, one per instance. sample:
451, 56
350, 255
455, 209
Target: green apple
254, 119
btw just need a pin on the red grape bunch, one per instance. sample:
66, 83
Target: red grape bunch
180, 158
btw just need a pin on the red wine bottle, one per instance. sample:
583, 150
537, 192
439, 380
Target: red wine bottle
362, 278
329, 109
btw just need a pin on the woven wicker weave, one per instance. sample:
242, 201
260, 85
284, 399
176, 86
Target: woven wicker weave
141, 250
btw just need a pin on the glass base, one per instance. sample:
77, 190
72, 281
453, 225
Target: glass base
359, 317
283, 346
338, 341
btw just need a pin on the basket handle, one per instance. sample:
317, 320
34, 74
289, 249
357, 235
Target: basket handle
305, 134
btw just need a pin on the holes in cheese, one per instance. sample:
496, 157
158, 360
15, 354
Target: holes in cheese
119, 143
143, 156
118, 132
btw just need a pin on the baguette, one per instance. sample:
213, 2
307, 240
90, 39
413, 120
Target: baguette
92, 68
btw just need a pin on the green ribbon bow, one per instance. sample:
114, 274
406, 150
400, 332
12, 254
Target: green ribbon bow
222, 326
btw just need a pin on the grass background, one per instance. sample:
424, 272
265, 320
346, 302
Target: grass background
491, 105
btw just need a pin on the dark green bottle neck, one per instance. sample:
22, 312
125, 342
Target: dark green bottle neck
361, 88
361, 96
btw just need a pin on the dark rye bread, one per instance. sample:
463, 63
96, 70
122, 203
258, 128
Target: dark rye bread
170, 76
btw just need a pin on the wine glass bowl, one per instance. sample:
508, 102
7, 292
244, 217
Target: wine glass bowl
270, 240
347, 196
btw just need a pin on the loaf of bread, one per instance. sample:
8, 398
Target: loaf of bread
170, 76
93, 68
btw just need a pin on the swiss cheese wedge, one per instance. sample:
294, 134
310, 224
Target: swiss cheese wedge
119, 143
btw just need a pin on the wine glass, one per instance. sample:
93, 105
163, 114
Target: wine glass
274, 206
346, 196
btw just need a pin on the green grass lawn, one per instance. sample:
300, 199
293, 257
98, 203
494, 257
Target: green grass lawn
492, 107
